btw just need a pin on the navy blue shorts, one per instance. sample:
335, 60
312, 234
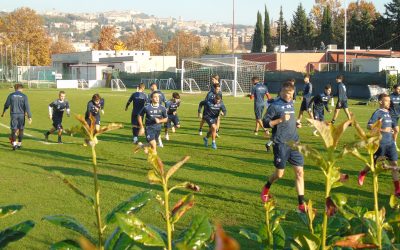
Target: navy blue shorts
210, 121
342, 105
17, 122
305, 104
57, 124
152, 133
387, 150
172, 119
97, 117
284, 153
258, 111
319, 115
395, 122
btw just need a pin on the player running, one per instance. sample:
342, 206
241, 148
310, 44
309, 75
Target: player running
320, 102
395, 112
172, 109
342, 99
212, 110
214, 83
258, 91
307, 95
56, 113
139, 99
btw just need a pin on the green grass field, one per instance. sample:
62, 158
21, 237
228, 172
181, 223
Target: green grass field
230, 178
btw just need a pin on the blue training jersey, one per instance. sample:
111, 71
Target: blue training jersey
58, 108
93, 109
211, 95
284, 131
258, 92
307, 90
320, 102
172, 107
342, 94
386, 123
162, 99
394, 105
212, 110
139, 100
18, 103
152, 112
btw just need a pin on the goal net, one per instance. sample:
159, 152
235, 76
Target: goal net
117, 85
235, 74
83, 84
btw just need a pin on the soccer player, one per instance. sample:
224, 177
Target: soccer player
155, 115
214, 82
212, 110
280, 116
387, 148
307, 95
395, 112
258, 91
342, 99
94, 108
172, 108
19, 105
319, 103
56, 112
139, 99
154, 89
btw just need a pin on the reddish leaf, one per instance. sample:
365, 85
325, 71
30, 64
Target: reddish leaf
224, 241
344, 177
330, 207
355, 242
181, 207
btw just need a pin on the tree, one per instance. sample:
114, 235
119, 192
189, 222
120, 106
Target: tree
62, 45
23, 29
267, 31
310, 34
383, 33
215, 47
144, 39
393, 14
320, 6
258, 36
184, 44
361, 28
282, 30
298, 29
326, 35
107, 38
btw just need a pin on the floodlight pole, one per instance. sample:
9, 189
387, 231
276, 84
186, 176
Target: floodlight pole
233, 28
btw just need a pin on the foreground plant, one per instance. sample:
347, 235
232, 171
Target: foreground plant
195, 235
271, 234
15, 232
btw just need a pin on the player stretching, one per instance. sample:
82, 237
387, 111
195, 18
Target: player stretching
56, 112
387, 148
258, 91
307, 94
139, 99
281, 118
172, 109
19, 105
155, 115
318, 103
342, 99
212, 110
395, 112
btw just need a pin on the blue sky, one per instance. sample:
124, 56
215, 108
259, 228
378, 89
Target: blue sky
206, 10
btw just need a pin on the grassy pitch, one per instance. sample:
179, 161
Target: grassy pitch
230, 178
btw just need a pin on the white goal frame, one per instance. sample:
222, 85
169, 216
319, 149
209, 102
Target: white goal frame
117, 85
83, 84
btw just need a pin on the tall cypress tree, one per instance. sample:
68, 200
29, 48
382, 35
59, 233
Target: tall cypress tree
326, 35
267, 31
393, 14
298, 29
258, 35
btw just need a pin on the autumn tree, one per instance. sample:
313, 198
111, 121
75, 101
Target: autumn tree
258, 36
183, 45
144, 39
319, 7
62, 45
23, 29
107, 38
215, 46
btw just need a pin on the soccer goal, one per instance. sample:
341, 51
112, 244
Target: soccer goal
235, 74
117, 85
83, 84
167, 84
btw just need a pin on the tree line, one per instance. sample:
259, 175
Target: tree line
324, 25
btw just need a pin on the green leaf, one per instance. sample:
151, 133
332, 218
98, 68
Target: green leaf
119, 240
250, 235
153, 178
311, 154
276, 218
133, 204
9, 210
306, 241
74, 188
279, 237
175, 168
138, 231
181, 207
339, 199
394, 202
71, 224
15, 232
196, 235
66, 245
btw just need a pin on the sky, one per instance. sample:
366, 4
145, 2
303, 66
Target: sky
216, 11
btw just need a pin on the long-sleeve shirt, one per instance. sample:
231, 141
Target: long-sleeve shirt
258, 92
172, 107
18, 104
307, 90
284, 131
152, 112
139, 100
319, 102
394, 105
58, 107
212, 110
342, 94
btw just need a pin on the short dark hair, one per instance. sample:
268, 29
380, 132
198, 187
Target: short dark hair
18, 86
340, 77
307, 75
217, 85
328, 86
287, 85
291, 80
217, 98
61, 92
153, 83
255, 78
381, 96
176, 95
215, 76
141, 85
96, 97
396, 86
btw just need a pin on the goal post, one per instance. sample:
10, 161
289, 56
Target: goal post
117, 85
235, 74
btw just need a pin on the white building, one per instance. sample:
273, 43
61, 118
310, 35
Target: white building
376, 64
